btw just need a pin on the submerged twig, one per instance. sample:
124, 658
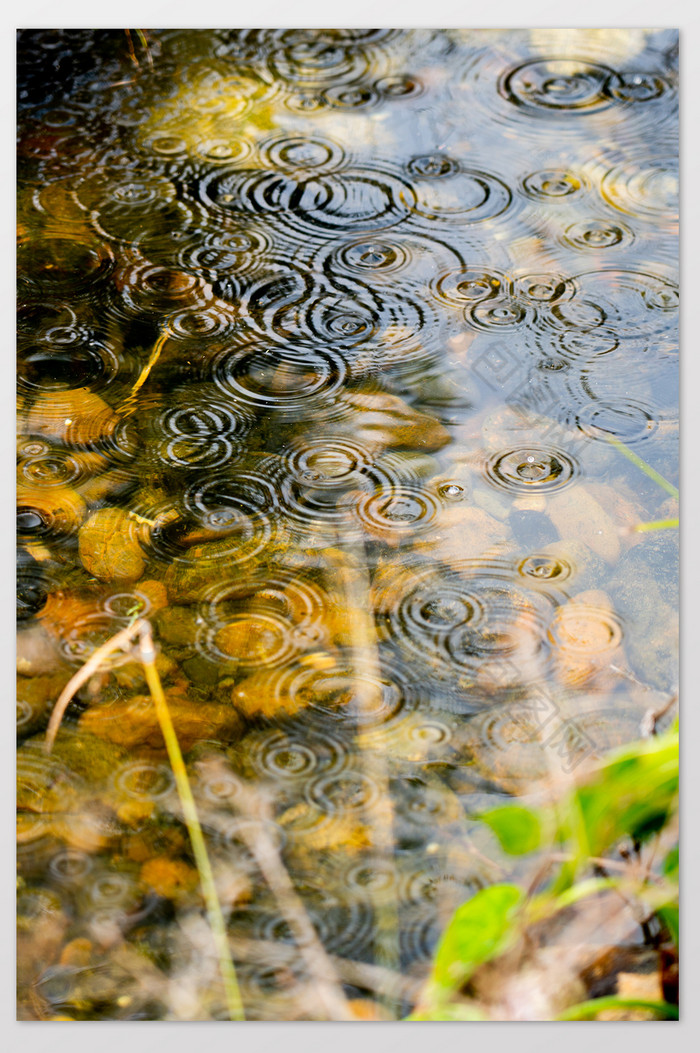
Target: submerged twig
354, 582
144, 41
130, 43
311, 949
129, 405
120, 642
359, 974
652, 716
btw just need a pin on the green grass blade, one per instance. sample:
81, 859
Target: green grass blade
643, 466
657, 524
206, 876
588, 1010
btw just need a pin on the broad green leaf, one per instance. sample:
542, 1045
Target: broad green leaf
669, 916
518, 829
589, 1010
479, 930
670, 864
633, 794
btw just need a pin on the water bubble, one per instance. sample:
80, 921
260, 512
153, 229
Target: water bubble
469, 286
345, 697
353, 97
150, 289
317, 63
597, 234
221, 788
462, 623
432, 166
371, 256
552, 184
393, 511
55, 265
52, 514
583, 344
638, 87
111, 889
452, 491
316, 204
499, 315
224, 151
166, 145
545, 568
348, 791
295, 755
544, 288
533, 469
398, 87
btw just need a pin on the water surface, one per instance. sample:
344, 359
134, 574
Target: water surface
336, 349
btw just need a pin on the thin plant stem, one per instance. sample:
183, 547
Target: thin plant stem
355, 587
643, 466
142, 37
141, 630
360, 974
129, 404
130, 43
657, 524
120, 642
588, 1010
147, 655
318, 962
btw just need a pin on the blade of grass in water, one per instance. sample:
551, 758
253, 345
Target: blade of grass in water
642, 465
657, 524
146, 652
211, 899
588, 1010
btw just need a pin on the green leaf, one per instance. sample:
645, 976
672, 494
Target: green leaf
480, 929
633, 794
518, 829
669, 916
589, 1010
670, 865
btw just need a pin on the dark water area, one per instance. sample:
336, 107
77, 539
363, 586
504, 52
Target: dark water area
349, 360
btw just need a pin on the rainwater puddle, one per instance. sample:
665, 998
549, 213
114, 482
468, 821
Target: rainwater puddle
348, 359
